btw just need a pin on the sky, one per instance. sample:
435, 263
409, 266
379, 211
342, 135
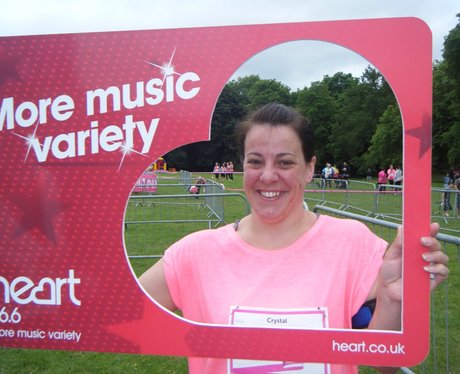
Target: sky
294, 64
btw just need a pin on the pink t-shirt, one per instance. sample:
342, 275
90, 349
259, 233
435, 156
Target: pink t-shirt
391, 174
333, 265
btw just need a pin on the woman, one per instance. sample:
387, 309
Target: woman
382, 180
391, 174
281, 255
446, 205
216, 170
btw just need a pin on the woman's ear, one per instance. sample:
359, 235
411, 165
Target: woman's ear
311, 169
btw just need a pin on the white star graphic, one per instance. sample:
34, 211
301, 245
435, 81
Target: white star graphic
30, 139
127, 150
167, 68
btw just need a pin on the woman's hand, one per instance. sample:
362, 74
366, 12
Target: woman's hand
391, 270
437, 259
388, 286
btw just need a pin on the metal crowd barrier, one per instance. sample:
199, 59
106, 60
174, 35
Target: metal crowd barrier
384, 201
154, 221
159, 216
444, 314
445, 203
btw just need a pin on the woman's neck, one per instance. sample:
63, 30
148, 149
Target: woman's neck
269, 235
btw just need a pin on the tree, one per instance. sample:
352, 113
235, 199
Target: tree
372, 78
254, 92
339, 83
361, 104
229, 111
451, 54
267, 91
345, 111
318, 105
444, 97
241, 86
237, 98
201, 156
386, 143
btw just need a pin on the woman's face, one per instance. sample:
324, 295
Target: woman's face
275, 172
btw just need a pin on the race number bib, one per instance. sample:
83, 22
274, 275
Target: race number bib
305, 318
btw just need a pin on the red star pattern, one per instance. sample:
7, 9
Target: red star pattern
38, 211
78, 203
423, 133
8, 68
148, 333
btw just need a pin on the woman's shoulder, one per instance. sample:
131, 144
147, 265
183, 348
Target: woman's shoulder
202, 238
207, 233
343, 225
204, 243
339, 221
350, 233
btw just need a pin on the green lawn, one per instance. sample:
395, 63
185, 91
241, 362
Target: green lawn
154, 238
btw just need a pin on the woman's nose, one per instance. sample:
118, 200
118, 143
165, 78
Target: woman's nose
269, 174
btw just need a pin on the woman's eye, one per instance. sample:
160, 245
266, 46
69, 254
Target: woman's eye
286, 163
254, 162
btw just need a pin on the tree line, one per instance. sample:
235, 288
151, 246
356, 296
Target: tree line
355, 120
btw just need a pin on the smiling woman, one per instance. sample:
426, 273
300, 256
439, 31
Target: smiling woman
282, 258
277, 167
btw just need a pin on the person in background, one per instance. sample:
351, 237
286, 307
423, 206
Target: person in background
382, 180
345, 171
457, 196
391, 175
446, 180
398, 179
200, 182
344, 175
230, 170
445, 196
223, 170
216, 170
369, 174
276, 256
328, 174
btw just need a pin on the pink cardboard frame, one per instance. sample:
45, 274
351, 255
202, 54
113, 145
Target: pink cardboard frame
65, 282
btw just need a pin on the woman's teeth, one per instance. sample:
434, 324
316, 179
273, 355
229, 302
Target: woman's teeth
269, 194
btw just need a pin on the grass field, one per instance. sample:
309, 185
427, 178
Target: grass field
446, 298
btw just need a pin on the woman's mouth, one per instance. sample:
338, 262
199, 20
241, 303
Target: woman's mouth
270, 194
